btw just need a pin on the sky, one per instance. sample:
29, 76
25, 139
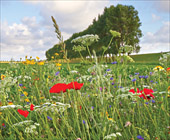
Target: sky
27, 29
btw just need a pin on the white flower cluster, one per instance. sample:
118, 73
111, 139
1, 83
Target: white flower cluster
165, 59
112, 135
27, 122
59, 107
9, 107
30, 126
86, 39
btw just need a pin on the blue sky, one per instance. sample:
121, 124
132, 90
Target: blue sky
26, 27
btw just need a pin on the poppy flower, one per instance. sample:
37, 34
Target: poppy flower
57, 88
31, 107
75, 85
145, 93
23, 113
133, 91
61, 87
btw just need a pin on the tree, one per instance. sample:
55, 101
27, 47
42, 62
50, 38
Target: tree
123, 19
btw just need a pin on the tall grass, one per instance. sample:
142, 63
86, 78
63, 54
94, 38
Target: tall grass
99, 110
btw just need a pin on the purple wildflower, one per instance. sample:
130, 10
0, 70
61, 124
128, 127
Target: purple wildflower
84, 121
140, 137
114, 62
153, 101
137, 73
133, 80
20, 85
146, 76
57, 73
49, 118
111, 78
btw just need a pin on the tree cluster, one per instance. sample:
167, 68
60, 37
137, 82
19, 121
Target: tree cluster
121, 18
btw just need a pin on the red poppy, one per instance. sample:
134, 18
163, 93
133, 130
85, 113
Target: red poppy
57, 88
133, 91
168, 69
61, 87
147, 94
75, 85
31, 107
23, 113
3, 124
80, 107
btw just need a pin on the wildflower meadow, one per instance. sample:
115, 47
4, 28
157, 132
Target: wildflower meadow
90, 100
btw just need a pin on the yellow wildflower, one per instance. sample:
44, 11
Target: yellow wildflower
32, 62
158, 68
41, 98
56, 54
10, 103
27, 100
2, 77
52, 57
48, 77
25, 93
19, 89
41, 63
59, 68
169, 89
58, 64
110, 119
28, 62
0, 113
107, 114
37, 58
168, 96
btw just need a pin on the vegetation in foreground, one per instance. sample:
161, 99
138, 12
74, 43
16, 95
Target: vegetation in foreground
116, 101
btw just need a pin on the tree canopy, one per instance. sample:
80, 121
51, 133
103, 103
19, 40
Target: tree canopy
121, 18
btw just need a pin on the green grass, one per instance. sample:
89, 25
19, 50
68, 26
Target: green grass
151, 58
84, 113
147, 58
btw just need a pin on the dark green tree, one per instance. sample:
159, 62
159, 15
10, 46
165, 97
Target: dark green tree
123, 19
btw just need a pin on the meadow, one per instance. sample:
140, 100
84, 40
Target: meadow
53, 101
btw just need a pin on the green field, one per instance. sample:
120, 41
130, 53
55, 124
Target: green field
101, 108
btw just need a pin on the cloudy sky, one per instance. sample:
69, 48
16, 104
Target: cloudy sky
26, 27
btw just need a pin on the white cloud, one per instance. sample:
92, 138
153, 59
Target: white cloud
162, 5
71, 16
19, 40
158, 41
155, 17
33, 39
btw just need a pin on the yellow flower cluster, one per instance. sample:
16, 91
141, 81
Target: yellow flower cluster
33, 61
58, 65
2, 77
158, 68
107, 114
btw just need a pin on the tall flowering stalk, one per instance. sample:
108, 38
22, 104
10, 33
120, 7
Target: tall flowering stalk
60, 37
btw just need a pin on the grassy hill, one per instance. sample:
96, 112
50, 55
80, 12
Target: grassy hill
139, 58
147, 58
